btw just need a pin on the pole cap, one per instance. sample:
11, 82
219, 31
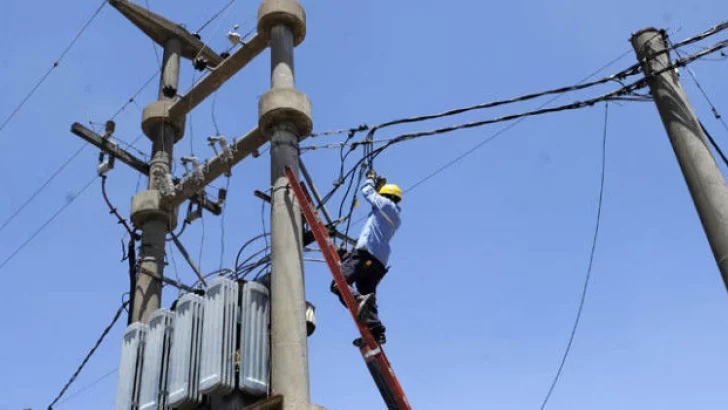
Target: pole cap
287, 12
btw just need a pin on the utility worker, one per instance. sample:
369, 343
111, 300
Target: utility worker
366, 265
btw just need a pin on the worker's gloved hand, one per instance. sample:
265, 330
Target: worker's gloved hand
379, 182
371, 174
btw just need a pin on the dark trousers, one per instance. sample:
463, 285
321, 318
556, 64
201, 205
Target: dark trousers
365, 271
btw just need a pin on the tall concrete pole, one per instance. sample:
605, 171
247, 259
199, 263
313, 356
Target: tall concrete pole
147, 211
285, 116
289, 345
703, 177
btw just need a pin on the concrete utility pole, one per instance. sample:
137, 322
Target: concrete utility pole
704, 179
155, 220
285, 116
284, 119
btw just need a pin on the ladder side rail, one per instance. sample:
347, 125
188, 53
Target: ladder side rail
330, 255
371, 351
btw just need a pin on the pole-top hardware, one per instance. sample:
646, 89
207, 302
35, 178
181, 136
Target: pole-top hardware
234, 37
286, 12
160, 30
105, 165
196, 170
109, 129
227, 151
194, 212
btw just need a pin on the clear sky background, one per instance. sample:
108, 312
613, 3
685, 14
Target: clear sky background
489, 264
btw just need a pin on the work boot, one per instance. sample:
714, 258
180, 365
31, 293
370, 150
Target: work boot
364, 304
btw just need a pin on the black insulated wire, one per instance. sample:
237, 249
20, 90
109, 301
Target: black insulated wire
587, 280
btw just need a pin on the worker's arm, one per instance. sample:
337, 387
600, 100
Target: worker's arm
371, 195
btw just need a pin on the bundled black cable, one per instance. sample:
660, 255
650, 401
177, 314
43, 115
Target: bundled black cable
131, 258
89, 354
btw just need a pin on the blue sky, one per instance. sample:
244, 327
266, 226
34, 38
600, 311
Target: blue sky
488, 266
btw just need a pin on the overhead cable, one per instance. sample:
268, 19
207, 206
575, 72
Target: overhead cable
132, 99
42, 187
714, 144
245, 245
624, 91
46, 224
91, 352
55, 65
215, 16
113, 210
618, 94
618, 77
715, 112
587, 280
707, 33
86, 388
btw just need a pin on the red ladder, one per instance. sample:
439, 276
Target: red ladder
372, 353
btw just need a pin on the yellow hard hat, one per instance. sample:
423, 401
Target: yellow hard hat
391, 189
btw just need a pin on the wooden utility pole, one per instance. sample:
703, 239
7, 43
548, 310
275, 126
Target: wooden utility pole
703, 177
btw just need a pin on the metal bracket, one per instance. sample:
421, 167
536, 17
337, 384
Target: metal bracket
105, 165
227, 155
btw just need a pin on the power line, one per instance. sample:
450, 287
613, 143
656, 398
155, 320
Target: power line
132, 99
112, 209
491, 138
477, 146
215, 16
222, 224
707, 33
91, 352
713, 109
48, 181
42, 187
714, 144
591, 261
154, 45
617, 77
619, 94
55, 65
626, 92
632, 70
87, 387
245, 245
46, 224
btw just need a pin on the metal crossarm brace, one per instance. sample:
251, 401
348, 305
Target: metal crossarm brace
372, 353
